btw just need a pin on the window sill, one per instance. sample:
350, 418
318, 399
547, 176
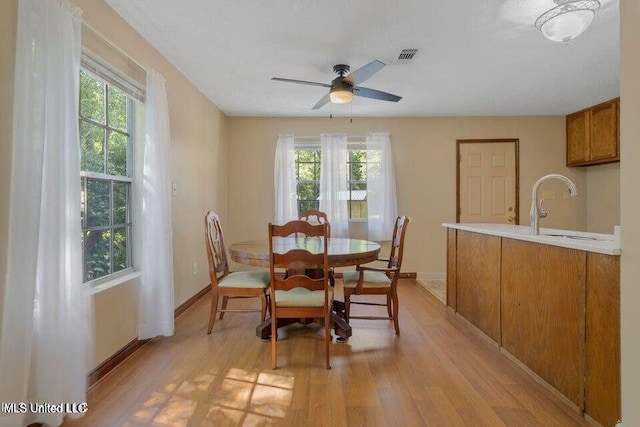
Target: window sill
97, 286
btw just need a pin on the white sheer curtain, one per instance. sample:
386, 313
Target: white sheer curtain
45, 316
284, 180
333, 182
155, 302
382, 204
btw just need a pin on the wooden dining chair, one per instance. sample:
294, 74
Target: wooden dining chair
297, 295
369, 280
228, 285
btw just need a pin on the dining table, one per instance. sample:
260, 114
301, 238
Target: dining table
342, 252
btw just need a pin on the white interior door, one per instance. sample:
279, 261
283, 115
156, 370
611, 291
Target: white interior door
487, 182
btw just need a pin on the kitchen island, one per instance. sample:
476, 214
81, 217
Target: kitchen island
549, 301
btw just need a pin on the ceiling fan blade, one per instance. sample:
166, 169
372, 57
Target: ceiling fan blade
302, 82
375, 94
321, 103
363, 73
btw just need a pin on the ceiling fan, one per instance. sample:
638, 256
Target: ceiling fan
342, 89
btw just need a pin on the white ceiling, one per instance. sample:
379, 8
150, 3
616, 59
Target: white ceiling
477, 57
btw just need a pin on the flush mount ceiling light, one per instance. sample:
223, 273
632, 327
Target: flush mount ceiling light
567, 20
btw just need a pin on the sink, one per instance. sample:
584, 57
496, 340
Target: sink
570, 236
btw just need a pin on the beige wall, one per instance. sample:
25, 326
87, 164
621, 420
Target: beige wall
198, 167
424, 156
630, 208
602, 197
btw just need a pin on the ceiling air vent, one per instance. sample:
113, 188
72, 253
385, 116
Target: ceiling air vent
406, 56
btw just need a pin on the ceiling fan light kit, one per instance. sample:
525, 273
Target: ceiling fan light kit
341, 95
568, 20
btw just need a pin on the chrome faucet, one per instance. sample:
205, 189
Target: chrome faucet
537, 210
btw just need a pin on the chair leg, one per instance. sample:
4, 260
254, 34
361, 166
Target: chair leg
214, 308
268, 298
327, 336
347, 307
225, 300
394, 298
389, 305
263, 306
274, 337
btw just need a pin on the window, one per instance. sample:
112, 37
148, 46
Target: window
308, 181
106, 154
357, 184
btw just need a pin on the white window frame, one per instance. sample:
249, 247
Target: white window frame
354, 143
98, 69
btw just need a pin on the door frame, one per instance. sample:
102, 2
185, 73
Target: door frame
516, 142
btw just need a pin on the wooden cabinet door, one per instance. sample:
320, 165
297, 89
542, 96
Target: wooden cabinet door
543, 312
604, 132
602, 376
578, 137
478, 281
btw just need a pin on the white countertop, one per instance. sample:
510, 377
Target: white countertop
608, 244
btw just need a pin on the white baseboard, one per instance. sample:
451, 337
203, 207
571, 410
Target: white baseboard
423, 277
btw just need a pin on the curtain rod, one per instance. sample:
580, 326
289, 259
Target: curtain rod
110, 43
317, 137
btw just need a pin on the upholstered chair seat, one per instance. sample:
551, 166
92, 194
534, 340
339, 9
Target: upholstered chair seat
245, 279
301, 297
372, 279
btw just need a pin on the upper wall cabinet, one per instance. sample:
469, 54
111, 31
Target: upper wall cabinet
593, 135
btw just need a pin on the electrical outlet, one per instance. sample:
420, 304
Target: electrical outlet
548, 195
195, 268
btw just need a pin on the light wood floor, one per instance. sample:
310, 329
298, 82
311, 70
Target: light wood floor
436, 373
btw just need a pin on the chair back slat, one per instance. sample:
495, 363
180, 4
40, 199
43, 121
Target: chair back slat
216, 252
298, 228
300, 281
298, 258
